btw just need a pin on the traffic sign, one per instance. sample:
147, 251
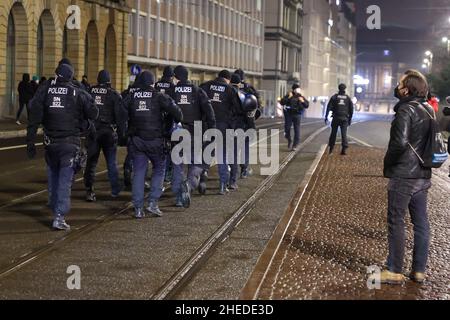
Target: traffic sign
135, 69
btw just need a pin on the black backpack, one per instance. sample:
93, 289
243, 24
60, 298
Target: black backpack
435, 152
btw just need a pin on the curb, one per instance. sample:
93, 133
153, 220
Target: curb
16, 134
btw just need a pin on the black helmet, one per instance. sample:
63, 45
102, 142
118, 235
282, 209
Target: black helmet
342, 87
250, 102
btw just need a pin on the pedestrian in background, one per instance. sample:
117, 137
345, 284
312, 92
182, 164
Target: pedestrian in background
409, 179
26, 93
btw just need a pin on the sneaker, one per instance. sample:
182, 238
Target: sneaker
60, 224
18, 123
223, 190
418, 277
90, 196
246, 173
139, 213
388, 277
186, 195
179, 201
294, 148
154, 209
233, 186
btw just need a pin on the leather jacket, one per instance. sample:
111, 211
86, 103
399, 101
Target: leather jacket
411, 126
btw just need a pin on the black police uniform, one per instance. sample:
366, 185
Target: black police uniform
61, 111
144, 111
226, 106
341, 106
196, 107
109, 121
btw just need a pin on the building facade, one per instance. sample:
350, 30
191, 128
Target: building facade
282, 47
34, 36
206, 36
329, 51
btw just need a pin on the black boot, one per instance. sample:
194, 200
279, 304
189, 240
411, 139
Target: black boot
202, 184
344, 152
331, 150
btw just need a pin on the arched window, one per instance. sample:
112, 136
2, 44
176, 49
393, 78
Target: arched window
40, 50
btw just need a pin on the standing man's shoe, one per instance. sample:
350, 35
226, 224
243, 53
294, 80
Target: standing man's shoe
388, 277
418, 277
344, 152
331, 150
223, 190
60, 224
139, 213
154, 209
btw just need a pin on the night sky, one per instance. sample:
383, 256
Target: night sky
406, 29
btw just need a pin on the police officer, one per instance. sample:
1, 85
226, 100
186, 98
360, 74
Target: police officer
128, 164
165, 85
341, 106
226, 105
144, 112
248, 103
195, 105
250, 120
294, 105
61, 112
109, 121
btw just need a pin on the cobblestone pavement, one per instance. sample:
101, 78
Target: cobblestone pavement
340, 229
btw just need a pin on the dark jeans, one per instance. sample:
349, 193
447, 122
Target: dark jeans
335, 125
107, 142
59, 158
142, 152
409, 194
246, 151
289, 120
22, 105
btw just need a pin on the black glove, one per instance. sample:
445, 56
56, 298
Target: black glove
31, 150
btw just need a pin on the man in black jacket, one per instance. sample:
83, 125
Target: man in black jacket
195, 106
108, 123
409, 180
25, 95
61, 110
341, 106
226, 105
294, 104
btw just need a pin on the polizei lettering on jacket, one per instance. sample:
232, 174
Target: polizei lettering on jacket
99, 91
143, 95
218, 88
163, 85
183, 89
59, 91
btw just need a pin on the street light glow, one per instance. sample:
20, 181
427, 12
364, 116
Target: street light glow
426, 61
445, 39
428, 53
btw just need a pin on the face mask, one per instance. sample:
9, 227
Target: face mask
297, 91
397, 93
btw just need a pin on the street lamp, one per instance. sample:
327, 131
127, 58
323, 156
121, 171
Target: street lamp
428, 62
446, 40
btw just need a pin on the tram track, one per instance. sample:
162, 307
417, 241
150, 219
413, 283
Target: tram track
196, 261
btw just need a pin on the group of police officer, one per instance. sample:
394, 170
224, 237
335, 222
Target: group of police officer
142, 118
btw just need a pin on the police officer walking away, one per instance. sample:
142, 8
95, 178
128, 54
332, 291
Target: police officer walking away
165, 85
61, 111
226, 105
250, 120
294, 105
195, 105
144, 112
341, 106
109, 121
